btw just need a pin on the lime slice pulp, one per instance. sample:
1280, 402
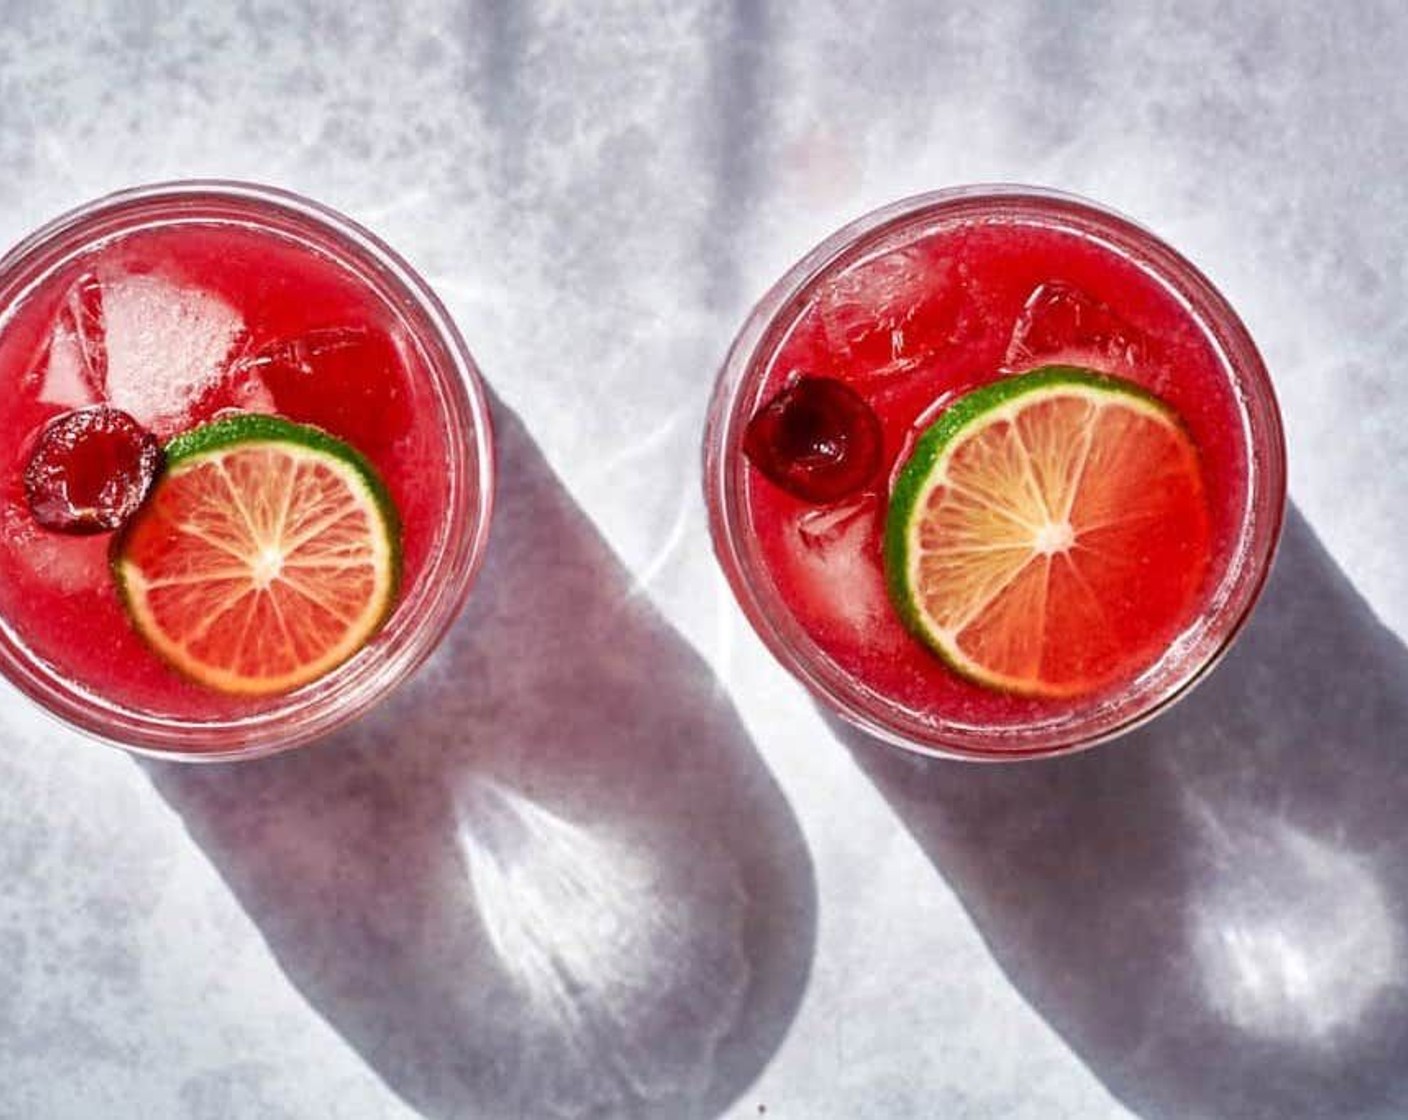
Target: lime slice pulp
1048, 532
267, 554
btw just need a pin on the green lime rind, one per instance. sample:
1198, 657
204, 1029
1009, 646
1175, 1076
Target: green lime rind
255, 427
913, 483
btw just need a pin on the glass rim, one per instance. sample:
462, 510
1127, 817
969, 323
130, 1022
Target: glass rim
441, 588
1229, 606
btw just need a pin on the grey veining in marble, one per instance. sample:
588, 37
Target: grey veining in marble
603, 858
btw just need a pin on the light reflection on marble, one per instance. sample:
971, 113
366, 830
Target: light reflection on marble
592, 933
1305, 954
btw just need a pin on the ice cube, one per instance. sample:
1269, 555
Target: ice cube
884, 316
1062, 323
254, 378
823, 528
76, 364
304, 354
73, 564
344, 378
142, 343
836, 566
83, 315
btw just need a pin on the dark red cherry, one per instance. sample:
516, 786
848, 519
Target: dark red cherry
817, 439
90, 470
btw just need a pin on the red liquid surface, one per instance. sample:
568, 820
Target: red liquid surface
196, 319
913, 328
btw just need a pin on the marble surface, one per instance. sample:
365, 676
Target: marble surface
603, 858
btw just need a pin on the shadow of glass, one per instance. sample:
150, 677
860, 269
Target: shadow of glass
1214, 911
550, 877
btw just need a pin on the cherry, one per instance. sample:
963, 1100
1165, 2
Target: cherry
817, 439
89, 471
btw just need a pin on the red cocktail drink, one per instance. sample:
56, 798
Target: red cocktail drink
942, 306
183, 305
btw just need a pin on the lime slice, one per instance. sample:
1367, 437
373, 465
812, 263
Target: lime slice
1048, 532
267, 554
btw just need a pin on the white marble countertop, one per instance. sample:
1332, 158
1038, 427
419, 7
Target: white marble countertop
603, 858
